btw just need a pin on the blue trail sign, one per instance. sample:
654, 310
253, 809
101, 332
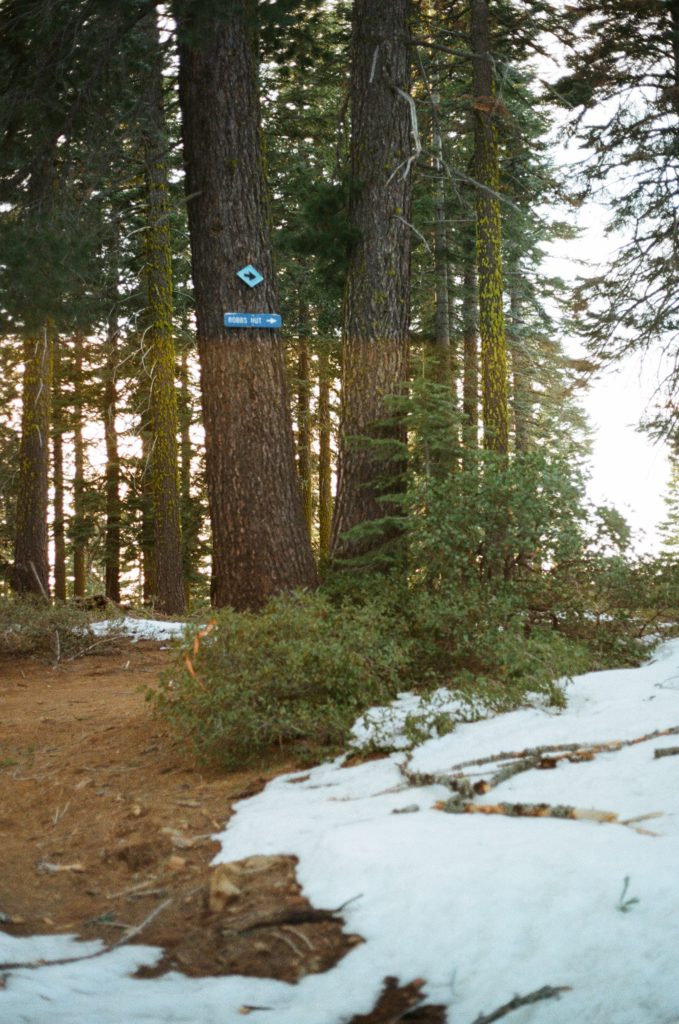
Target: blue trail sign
250, 275
268, 320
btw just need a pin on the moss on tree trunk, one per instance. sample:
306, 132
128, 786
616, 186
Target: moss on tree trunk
495, 401
159, 341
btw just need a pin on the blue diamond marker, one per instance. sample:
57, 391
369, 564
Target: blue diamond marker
251, 276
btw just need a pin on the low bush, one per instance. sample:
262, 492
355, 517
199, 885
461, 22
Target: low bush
31, 627
491, 578
298, 673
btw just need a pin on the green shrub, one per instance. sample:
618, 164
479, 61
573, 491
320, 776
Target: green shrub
299, 672
31, 627
487, 576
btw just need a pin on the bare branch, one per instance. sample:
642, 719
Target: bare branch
546, 992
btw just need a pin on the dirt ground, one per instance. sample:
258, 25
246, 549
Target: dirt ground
106, 827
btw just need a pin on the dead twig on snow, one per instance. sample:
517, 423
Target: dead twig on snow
546, 992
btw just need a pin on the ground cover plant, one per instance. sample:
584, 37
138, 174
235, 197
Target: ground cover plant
497, 584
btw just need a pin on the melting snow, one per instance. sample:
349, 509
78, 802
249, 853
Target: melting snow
483, 907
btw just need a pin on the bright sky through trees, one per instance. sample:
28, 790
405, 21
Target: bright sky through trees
629, 470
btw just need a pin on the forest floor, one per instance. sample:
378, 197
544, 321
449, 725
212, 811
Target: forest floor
105, 820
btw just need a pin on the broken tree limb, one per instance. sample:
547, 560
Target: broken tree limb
527, 759
512, 763
546, 992
521, 810
564, 811
297, 915
666, 751
130, 934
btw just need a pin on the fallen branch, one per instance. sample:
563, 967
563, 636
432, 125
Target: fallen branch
521, 810
130, 934
546, 992
666, 752
456, 805
543, 757
297, 915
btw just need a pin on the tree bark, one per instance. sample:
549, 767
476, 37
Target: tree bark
79, 528
495, 400
148, 533
470, 329
159, 341
522, 397
304, 431
377, 296
324, 453
59, 523
112, 472
260, 543
30, 573
442, 348
190, 509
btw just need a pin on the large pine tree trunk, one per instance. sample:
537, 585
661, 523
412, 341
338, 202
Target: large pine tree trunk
260, 543
159, 341
495, 402
377, 297
30, 573
58, 502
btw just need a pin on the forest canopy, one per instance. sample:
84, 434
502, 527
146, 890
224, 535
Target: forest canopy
402, 465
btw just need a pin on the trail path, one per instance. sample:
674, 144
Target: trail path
104, 818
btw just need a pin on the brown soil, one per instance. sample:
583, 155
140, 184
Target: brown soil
106, 820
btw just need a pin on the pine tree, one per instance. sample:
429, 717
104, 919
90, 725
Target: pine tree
669, 528
377, 298
486, 109
260, 543
159, 351
30, 574
623, 94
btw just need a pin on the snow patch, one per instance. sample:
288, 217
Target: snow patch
139, 629
481, 906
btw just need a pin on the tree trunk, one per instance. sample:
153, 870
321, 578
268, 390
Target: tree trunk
112, 473
260, 543
324, 454
442, 349
495, 401
304, 431
59, 524
470, 331
377, 296
522, 397
30, 573
190, 513
148, 533
79, 531
159, 342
